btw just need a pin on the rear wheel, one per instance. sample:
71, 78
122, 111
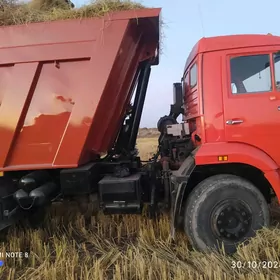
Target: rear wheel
224, 209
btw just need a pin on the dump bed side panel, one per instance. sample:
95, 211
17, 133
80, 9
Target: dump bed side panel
63, 93
89, 113
13, 105
114, 102
61, 104
50, 109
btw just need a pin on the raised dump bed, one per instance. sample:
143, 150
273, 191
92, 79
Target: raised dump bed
65, 86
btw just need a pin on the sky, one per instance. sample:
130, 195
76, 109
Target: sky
185, 23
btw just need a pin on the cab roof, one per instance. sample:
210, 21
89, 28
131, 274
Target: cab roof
226, 42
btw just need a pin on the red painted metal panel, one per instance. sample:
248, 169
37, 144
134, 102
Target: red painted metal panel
67, 31
64, 51
14, 97
71, 107
48, 115
94, 114
226, 42
192, 104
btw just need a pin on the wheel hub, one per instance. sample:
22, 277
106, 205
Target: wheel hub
231, 220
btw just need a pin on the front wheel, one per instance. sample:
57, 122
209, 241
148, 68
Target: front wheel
224, 209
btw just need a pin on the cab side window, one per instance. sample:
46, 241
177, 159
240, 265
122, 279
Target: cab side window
276, 59
250, 74
193, 76
187, 82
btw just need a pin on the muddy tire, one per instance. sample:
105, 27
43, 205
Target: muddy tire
224, 209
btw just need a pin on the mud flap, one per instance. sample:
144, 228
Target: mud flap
179, 181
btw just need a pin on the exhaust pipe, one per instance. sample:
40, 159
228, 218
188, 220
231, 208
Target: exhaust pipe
21, 197
34, 179
27, 184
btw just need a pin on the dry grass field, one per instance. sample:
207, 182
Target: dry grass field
130, 247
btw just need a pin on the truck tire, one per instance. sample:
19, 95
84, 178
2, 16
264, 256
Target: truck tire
224, 209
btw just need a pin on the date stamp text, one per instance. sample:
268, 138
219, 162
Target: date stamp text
255, 264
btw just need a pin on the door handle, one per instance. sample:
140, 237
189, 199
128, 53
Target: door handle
231, 122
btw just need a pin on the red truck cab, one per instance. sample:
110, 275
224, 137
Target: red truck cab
232, 99
231, 102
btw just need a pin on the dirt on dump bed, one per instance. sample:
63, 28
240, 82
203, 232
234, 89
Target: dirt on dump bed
13, 12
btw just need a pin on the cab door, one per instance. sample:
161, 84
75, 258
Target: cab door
252, 100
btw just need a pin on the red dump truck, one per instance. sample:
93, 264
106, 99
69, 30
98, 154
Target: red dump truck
72, 94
